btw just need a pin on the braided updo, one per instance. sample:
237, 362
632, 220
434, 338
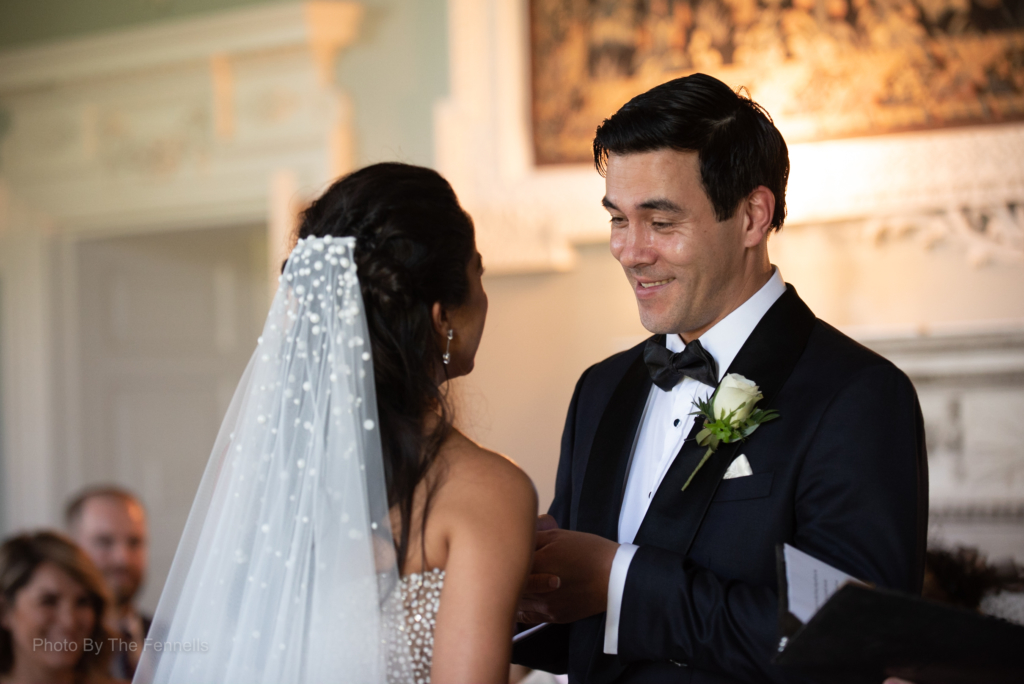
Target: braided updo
413, 246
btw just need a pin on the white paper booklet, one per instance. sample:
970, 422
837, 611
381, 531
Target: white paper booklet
810, 583
527, 632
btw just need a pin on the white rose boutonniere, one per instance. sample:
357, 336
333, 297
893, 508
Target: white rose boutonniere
736, 396
730, 415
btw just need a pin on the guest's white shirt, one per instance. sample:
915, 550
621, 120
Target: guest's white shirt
664, 426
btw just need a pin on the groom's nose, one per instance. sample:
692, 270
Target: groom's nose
632, 246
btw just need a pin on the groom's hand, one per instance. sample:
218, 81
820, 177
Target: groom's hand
569, 579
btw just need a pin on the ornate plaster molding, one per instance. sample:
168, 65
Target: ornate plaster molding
970, 383
986, 233
1012, 514
184, 124
907, 174
955, 353
322, 25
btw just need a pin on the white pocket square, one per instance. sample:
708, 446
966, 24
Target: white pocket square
740, 467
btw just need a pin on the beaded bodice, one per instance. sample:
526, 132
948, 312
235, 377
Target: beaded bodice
421, 597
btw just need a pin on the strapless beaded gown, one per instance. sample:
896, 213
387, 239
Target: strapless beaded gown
421, 596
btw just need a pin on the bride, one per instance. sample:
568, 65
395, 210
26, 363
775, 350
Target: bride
344, 530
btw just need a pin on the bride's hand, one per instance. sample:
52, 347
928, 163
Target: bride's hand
539, 583
542, 583
546, 522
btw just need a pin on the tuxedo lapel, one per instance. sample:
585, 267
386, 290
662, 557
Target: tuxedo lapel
601, 500
601, 494
767, 357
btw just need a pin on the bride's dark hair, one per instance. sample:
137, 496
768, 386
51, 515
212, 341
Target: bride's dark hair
413, 246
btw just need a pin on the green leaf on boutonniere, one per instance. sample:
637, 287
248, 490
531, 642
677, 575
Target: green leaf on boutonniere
728, 428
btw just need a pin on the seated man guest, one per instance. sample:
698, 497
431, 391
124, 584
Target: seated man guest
109, 523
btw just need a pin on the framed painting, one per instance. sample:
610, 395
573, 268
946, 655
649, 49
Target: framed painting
824, 69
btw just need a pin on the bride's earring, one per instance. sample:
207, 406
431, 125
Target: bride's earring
447, 356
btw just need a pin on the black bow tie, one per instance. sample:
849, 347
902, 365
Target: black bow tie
667, 369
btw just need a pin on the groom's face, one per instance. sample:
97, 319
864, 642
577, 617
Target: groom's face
682, 262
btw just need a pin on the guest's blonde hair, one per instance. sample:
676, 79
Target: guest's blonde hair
20, 557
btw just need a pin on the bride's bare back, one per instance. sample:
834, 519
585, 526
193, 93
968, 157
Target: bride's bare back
480, 532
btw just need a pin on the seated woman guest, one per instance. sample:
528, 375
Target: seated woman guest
52, 604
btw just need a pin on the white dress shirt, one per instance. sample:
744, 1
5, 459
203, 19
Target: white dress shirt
664, 426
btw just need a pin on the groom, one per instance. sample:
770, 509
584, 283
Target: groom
656, 568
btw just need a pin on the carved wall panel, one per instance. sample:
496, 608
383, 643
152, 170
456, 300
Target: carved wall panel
971, 388
178, 123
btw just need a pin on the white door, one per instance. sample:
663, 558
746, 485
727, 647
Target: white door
157, 330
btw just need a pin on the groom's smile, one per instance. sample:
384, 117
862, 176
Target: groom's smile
646, 288
658, 283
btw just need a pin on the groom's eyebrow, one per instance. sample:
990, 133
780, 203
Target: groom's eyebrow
660, 204
657, 204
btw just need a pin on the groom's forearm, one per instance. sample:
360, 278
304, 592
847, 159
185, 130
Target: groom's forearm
616, 588
673, 609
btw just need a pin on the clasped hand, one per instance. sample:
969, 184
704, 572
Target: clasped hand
569, 577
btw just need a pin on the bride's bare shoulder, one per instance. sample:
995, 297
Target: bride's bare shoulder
477, 480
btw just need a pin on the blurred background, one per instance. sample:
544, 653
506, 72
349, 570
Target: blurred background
154, 155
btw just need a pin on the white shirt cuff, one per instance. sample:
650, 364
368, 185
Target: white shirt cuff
616, 585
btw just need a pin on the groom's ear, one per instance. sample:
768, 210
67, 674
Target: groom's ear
759, 208
440, 319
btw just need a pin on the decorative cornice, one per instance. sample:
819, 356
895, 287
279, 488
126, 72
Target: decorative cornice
1004, 512
992, 233
324, 26
179, 125
906, 174
949, 338
952, 354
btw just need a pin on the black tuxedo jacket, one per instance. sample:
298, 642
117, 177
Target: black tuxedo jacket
841, 474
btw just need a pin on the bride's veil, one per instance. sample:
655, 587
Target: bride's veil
285, 573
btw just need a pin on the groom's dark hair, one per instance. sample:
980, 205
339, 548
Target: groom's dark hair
737, 143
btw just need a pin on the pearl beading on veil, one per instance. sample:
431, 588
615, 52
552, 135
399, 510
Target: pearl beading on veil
286, 569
